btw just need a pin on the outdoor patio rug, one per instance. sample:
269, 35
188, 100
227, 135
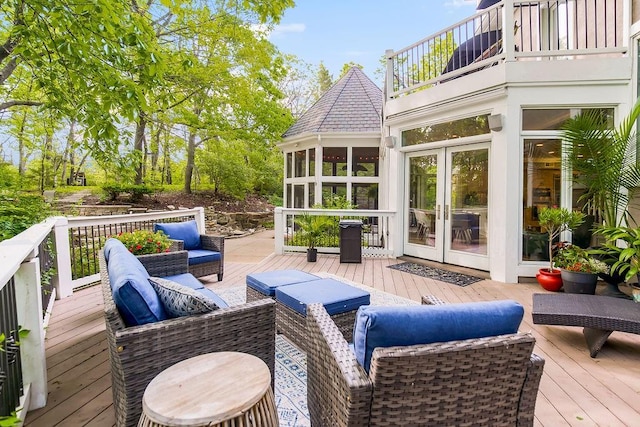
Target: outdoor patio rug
291, 363
436, 273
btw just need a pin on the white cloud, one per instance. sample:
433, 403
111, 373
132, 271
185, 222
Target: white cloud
281, 30
452, 4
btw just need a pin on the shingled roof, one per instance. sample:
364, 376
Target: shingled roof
352, 104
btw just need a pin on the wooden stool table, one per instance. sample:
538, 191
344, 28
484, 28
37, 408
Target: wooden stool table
214, 389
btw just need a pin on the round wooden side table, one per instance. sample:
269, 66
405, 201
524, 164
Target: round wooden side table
214, 389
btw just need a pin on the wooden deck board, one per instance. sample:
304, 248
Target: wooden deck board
576, 390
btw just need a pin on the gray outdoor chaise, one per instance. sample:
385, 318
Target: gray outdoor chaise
598, 315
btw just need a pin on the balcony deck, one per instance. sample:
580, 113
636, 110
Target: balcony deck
575, 389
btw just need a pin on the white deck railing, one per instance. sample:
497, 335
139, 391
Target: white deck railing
511, 30
377, 230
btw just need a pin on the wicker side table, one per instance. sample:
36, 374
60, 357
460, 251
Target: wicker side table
215, 389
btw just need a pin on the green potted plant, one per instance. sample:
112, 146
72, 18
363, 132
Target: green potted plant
579, 269
554, 221
602, 160
627, 257
143, 242
312, 227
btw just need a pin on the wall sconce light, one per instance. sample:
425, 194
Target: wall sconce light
495, 122
389, 141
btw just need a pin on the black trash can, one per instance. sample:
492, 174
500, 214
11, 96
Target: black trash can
350, 240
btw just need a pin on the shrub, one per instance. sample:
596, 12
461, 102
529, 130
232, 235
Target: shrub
142, 242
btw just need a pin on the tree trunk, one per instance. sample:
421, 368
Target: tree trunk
191, 153
67, 150
139, 146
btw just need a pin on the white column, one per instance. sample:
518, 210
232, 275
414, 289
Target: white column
32, 355
278, 226
62, 280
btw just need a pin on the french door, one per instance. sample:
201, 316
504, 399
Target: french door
446, 205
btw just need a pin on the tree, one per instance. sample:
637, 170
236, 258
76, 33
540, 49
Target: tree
325, 80
346, 67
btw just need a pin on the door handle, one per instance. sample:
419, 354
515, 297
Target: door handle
446, 212
438, 212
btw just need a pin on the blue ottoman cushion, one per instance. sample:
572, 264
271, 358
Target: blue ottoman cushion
337, 297
423, 324
186, 231
267, 282
199, 256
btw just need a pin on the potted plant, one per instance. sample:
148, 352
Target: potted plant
143, 242
627, 257
312, 227
602, 159
554, 221
579, 269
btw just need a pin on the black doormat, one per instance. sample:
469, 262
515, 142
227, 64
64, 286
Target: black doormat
436, 273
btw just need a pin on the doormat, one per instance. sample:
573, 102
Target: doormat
436, 273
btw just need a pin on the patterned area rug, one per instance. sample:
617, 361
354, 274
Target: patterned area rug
291, 363
436, 273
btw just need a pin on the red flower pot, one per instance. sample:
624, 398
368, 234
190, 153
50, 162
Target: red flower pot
549, 280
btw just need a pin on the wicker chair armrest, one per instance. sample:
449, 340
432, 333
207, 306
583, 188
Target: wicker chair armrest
527, 405
338, 389
166, 263
176, 245
212, 243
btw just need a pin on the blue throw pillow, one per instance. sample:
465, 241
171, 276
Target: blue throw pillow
179, 300
423, 324
133, 295
186, 231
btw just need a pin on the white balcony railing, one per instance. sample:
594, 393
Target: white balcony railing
511, 30
377, 230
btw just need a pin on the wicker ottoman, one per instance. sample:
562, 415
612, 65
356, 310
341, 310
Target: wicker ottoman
339, 299
263, 285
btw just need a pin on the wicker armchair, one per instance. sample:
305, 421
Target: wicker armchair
139, 353
487, 381
210, 243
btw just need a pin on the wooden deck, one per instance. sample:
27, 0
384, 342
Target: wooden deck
575, 390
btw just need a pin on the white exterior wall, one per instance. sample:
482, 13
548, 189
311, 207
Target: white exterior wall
504, 89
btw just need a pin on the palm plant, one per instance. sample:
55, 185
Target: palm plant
603, 159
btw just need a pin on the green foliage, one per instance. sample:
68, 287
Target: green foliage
556, 220
574, 258
276, 200
8, 176
312, 227
19, 211
603, 160
135, 192
628, 256
142, 242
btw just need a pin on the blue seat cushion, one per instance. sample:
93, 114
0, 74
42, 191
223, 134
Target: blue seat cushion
337, 297
199, 256
190, 281
133, 295
267, 282
186, 231
377, 326
179, 300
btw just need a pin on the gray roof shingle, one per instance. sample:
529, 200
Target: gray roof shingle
352, 104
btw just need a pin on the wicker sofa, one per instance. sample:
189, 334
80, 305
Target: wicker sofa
139, 353
489, 381
205, 252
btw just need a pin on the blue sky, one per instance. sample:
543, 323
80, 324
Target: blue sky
340, 31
